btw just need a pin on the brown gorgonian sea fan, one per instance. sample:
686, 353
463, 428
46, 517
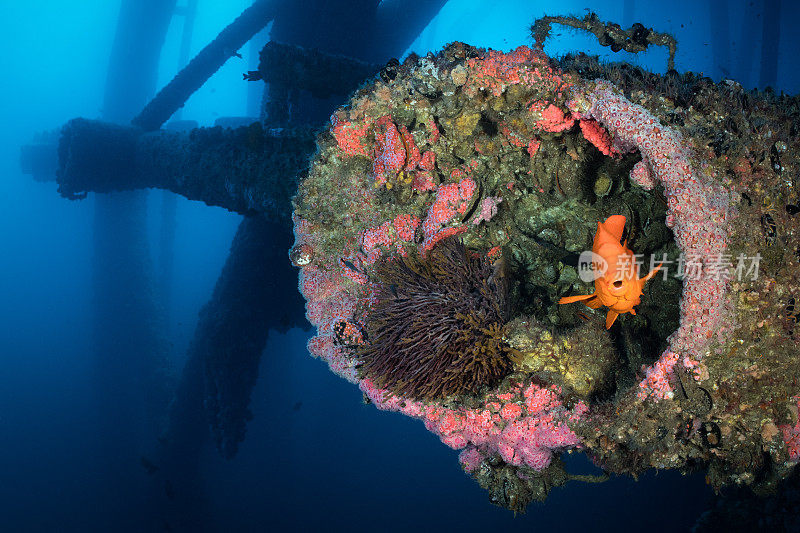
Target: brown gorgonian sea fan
437, 327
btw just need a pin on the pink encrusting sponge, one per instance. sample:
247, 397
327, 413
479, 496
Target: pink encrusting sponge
698, 211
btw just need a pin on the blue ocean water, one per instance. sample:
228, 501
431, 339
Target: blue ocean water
315, 457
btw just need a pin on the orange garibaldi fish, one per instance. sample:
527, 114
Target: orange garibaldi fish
618, 288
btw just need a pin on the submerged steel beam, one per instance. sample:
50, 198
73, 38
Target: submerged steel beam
321, 74
256, 292
174, 95
247, 170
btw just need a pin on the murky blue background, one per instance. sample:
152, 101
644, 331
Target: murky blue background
315, 457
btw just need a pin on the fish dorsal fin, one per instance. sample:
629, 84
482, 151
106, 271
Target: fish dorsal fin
609, 233
615, 225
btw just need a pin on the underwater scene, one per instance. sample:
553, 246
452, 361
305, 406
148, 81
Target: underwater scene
391, 265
